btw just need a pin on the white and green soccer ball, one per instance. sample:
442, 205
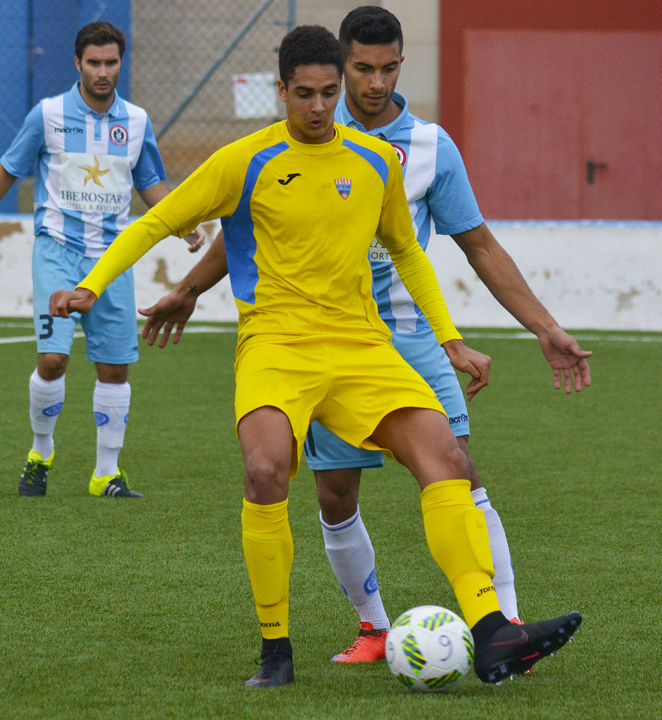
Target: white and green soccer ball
429, 648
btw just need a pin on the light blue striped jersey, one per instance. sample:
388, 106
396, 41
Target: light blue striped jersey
438, 190
86, 165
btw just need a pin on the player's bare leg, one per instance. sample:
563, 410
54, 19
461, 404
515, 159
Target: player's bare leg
338, 493
266, 440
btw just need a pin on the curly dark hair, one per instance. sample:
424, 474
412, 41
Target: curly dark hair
369, 25
308, 45
99, 33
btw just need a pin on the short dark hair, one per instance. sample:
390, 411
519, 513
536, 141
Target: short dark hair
308, 45
369, 25
99, 33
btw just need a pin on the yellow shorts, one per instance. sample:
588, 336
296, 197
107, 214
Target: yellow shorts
348, 385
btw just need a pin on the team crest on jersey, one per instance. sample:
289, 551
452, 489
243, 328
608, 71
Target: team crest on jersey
344, 187
119, 135
402, 155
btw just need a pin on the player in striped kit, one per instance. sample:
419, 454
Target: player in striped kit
90, 147
437, 189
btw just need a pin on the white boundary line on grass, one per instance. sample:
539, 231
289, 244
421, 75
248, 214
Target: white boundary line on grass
577, 334
490, 334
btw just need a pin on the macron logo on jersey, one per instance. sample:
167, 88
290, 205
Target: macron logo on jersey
67, 130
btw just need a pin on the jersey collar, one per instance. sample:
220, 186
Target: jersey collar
312, 148
386, 132
84, 108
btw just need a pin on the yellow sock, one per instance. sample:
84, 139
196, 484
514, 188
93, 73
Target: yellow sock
268, 550
457, 537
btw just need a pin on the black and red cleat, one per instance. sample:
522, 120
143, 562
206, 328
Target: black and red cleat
512, 649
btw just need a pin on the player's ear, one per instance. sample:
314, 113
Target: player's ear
282, 90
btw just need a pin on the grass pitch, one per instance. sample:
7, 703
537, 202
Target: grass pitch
142, 609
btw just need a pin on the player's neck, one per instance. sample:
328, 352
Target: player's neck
99, 105
380, 120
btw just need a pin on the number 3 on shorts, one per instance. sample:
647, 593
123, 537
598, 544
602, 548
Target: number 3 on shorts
46, 326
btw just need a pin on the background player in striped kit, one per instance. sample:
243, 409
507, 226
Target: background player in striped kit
91, 147
437, 189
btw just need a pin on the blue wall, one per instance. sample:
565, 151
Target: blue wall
37, 57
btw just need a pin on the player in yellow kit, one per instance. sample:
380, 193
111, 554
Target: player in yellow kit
300, 204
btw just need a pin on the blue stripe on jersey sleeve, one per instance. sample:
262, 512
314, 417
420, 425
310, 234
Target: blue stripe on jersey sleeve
376, 160
240, 244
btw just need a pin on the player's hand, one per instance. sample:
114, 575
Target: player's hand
195, 239
469, 361
567, 359
172, 309
64, 302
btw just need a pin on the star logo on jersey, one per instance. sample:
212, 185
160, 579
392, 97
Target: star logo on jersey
94, 172
344, 187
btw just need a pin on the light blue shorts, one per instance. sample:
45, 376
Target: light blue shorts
326, 451
111, 328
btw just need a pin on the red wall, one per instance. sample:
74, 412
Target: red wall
456, 16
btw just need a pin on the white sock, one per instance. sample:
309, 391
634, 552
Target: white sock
111, 412
352, 558
46, 400
504, 577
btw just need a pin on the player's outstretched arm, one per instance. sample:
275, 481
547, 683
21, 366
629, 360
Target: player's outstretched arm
152, 195
64, 302
469, 361
498, 271
175, 308
172, 309
569, 362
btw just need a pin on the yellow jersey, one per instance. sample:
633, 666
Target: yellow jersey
298, 221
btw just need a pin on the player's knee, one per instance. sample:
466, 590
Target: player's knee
338, 493
113, 374
52, 366
335, 507
458, 465
266, 479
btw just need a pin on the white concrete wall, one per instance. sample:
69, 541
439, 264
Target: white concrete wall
589, 275
601, 275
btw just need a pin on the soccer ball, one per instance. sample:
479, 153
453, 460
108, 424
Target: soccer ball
429, 648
